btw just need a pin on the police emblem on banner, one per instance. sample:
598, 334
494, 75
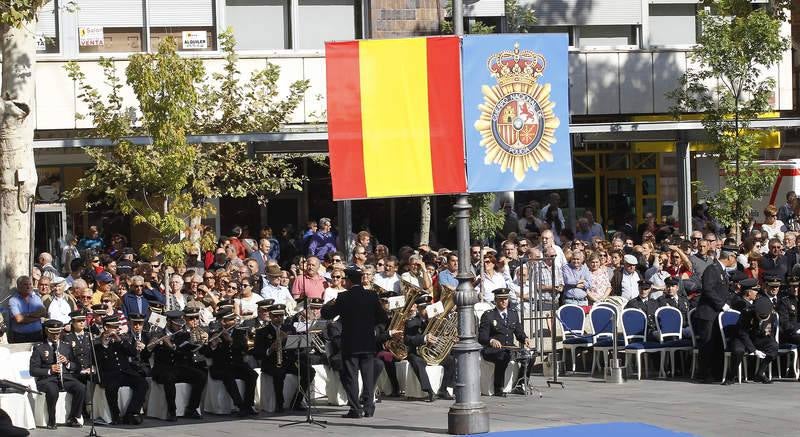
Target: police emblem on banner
517, 122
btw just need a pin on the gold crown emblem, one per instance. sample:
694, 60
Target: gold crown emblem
515, 66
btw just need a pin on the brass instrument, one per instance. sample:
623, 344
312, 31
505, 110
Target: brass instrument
378, 289
159, 340
279, 348
444, 327
317, 341
396, 345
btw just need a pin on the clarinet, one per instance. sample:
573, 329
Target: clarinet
60, 365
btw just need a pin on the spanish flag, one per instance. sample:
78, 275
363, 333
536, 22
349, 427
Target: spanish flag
395, 125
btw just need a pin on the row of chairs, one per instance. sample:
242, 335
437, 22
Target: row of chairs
633, 340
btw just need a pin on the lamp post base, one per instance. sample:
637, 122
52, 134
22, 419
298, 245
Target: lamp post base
463, 419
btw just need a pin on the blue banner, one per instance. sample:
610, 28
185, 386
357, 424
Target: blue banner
516, 112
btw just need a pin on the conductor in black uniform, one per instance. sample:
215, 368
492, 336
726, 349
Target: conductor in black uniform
498, 328
54, 366
414, 337
359, 311
114, 354
648, 306
173, 363
268, 349
713, 300
755, 333
227, 349
787, 309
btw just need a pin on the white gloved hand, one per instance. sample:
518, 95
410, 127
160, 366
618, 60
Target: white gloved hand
797, 332
760, 354
726, 307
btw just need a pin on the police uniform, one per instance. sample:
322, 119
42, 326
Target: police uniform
414, 337
756, 331
227, 356
787, 309
503, 328
114, 357
264, 353
141, 361
648, 306
81, 346
252, 325
44, 356
679, 301
174, 364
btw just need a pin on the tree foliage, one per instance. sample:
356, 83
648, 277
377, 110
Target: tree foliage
738, 43
168, 184
484, 221
518, 19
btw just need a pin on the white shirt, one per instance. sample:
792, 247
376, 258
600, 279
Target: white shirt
330, 294
630, 285
560, 261
388, 283
411, 279
490, 283
279, 294
248, 304
59, 309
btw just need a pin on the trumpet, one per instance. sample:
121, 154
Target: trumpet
219, 334
161, 339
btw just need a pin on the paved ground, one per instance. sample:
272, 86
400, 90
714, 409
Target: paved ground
704, 410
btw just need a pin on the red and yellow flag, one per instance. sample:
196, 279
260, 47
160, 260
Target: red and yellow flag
395, 118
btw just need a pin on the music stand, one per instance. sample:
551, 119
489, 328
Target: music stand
303, 343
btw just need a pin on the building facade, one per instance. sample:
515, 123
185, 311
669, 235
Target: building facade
624, 56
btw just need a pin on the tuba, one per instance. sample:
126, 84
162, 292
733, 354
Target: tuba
444, 327
396, 345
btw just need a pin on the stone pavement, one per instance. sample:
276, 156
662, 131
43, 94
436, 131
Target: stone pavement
704, 410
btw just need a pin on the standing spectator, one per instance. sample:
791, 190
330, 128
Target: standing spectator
103, 283
773, 227
82, 294
336, 286
554, 224
46, 264
274, 244
323, 241
597, 228
447, 277
787, 210
27, 310
359, 258
577, 280
175, 300
93, 241
69, 253
492, 279
417, 273
529, 222
774, 263
137, 301
310, 284
311, 230
584, 231
625, 281
601, 280
555, 200
236, 243
511, 223
60, 304
261, 256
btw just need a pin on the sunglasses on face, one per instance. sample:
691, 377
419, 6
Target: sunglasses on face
95, 260
336, 277
381, 264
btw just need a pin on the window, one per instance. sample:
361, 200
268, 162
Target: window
249, 19
607, 36
554, 29
324, 20
47, 29
672, 25
190, 22
104, 29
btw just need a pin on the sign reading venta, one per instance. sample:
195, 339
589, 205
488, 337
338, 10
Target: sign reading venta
90, 36
396, 116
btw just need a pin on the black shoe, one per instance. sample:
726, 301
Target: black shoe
728, 382
171, 417
429, 396
444, 395
192, 414
352, 414
369, 412
242, 412
518, 391
252, 411
52, 427
132, 419
73, 423
500, 393
117, 421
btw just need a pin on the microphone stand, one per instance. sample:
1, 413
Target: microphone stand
93, 429
309, 390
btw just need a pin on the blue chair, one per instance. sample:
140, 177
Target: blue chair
728, 319
634, 329
572, 320
602, 319
669, 322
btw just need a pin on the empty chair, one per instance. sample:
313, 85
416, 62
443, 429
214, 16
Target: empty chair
634, 330
602, 319
572, 319
669, 322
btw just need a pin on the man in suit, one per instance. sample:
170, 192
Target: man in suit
173, 362
227, 350
114, 354
138, 299
269, 351
713, 299
261, 256
54, 366
648, 306
497, 329
415, 337
359, 311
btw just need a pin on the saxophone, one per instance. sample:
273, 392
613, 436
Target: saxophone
444, 327
279, 348
396, 345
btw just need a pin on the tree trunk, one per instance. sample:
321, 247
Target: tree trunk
16, 153
425, 220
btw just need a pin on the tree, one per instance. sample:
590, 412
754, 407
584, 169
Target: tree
167, 185
18, 181
738, 42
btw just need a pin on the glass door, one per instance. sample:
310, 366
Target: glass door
50, 230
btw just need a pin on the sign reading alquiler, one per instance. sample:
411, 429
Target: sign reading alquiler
194, 39
90, 36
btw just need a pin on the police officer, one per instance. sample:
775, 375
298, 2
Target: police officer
788, 312
81, 343
227, 348
673, 298
415, 337
261, 320
496, 332
269, 350
648, 306
140, 338
114, 354
747, 294
173, 362
755, 334
54, 366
